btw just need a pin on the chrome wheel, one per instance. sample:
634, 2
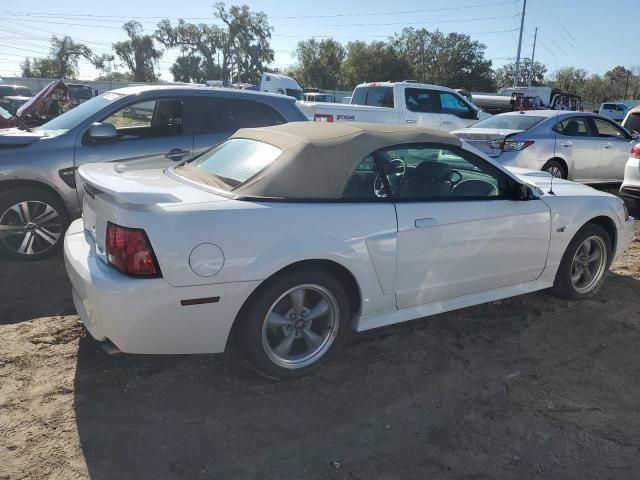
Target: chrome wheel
30, 227
555, 171
589, 264
300, 326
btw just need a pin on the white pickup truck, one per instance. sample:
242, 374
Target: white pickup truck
429, 106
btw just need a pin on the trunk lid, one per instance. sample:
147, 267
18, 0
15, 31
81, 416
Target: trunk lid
487, 140
109, 193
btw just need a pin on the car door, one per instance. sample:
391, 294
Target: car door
422, 107
577, 143
615, 148
220, 117
455, 113
460, 231
151, 134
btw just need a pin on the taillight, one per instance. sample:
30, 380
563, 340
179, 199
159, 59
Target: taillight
322, 117
635, 151
129, 251
515, 146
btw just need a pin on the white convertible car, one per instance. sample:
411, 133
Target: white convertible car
290, 236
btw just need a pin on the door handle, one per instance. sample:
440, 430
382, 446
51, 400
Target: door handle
425, 222
410, 121
176, 154
447, 123
566, 144
607, 145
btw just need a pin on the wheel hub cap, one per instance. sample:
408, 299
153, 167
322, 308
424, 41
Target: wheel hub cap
589, 264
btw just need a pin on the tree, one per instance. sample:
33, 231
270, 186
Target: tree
452, 60
189, 68
319, 63
242, 42
504, 75
112, 76
199, 45
245, 46
569, 79
62, 61
376, 61
138, 53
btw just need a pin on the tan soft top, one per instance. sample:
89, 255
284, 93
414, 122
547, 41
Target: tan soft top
318, 158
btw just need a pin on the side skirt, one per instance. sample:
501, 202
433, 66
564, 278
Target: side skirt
389, 317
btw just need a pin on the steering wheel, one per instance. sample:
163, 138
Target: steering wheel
396, 169
454, 174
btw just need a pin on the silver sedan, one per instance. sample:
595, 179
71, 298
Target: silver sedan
579, 146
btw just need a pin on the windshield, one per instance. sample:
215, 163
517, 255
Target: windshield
11, 91
73, 117
509, 122
297, 94
230, 164
80, 92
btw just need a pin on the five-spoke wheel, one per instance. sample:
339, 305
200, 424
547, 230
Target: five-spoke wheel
32, 223
293, 322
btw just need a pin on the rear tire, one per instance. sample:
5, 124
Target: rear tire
293, 323
32, 223
555, 168
584, 264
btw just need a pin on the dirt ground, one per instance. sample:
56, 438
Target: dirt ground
531, 387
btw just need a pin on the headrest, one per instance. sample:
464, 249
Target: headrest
430, 169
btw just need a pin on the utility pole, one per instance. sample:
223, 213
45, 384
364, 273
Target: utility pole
515, 77
533, 56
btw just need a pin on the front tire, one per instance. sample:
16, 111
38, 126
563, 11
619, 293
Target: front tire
293, 323
32, 223
584, 264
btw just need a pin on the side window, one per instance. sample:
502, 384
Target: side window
451, 104
226, 115
435, 172
151, 118
421, 101
573, 127
606, 129
632, 122
365, 183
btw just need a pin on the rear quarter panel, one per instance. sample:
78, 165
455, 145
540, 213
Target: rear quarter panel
259, 239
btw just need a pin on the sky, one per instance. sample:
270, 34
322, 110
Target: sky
570, 32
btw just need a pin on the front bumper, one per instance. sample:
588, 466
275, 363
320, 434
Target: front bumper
145, 315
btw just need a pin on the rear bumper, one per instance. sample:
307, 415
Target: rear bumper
145, 315
631, 197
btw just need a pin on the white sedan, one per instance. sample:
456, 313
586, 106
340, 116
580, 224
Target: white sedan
290, 236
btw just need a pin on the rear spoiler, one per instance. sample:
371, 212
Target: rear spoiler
107, 178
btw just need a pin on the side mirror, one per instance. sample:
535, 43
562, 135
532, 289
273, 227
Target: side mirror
102, 133
522, 192
635, 135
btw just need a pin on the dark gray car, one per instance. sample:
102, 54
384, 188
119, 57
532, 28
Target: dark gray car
140, 127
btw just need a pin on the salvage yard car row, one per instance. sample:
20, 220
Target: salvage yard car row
285, 237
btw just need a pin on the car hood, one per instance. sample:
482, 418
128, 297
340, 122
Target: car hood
561, 188
18, 138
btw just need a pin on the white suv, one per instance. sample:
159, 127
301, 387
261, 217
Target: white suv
630, 190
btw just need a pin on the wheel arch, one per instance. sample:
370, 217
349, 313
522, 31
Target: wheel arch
6, 185
563, 162
609, 226
340, 272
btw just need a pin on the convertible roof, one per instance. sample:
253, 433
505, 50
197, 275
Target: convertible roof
318, 158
